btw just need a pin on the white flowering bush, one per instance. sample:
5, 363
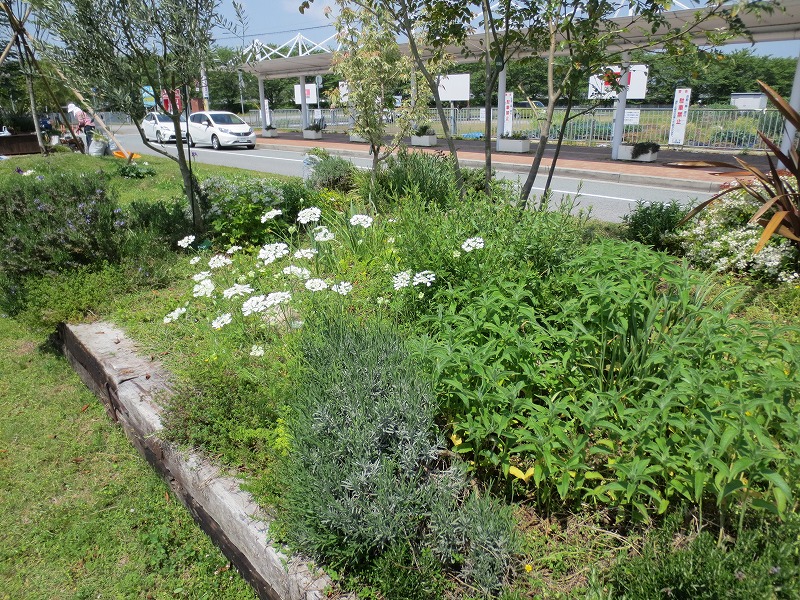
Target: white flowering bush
720, 239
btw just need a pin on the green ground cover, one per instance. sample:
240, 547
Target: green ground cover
488, 402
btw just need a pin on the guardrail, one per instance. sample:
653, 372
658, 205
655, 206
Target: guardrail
713, 128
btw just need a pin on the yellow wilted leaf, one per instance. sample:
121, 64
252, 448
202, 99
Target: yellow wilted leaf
456, 440
520, 475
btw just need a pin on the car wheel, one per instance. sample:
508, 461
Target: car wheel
251, 147
190, 141
215, 142
159, 138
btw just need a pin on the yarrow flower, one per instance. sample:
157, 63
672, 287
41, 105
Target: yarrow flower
204, 288
296, 271
305, 253
343, 288
233, 249
195, 260
173, 316
272, 252
237, 290
323, 234
202, 275
424, 277
361, 220
309, 215
219, 260
271, 215
401, 280
257, 350
221, 321
471, 244
316, 285
186, 242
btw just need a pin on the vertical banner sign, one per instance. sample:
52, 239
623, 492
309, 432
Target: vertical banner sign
680, 116
508, 113
148, 97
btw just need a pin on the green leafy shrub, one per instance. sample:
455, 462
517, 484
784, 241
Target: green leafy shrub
655, 223
333, 173
364, 440
135, 170
428, 175
620, 382
237, 204
761, 563
55, 221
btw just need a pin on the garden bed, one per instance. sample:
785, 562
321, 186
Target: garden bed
129, 387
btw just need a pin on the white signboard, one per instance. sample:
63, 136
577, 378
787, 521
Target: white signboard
680, 116
508, 113
632, 116
454, 87
311, 93
482, 115
601, 86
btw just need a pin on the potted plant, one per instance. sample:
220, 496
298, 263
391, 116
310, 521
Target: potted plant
424, 135
269, 131
514, 142
99, 145
640, 151
313, 132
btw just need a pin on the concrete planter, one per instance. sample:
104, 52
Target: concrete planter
310, 134
423, 140
513, 145
626, 153
358, 138
269, 133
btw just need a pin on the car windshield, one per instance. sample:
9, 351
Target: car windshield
226, 119
165, 119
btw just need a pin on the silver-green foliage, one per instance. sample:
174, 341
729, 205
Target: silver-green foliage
366, 466
622, 381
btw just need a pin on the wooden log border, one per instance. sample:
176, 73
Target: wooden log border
130, 387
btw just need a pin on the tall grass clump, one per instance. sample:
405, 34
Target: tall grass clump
367, 471
655, 224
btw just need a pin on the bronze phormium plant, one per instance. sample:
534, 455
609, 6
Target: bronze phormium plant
779, 191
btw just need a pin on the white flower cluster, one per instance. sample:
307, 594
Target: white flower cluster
173, 316
233, 249
202, 275
268, 216
316, 285
296, 271
272, 252
323, 234
471, 244
308, 253
237, 290
204, 288
257, 350
309, 215
221, 321
343, 288
404, 279
219, 260
258, 304
194, 260
364, 221
186, 242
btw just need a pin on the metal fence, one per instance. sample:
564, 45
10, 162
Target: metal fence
728, 129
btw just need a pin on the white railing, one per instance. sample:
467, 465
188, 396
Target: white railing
714, 128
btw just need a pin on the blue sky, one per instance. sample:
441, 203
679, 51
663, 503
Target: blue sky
278, 21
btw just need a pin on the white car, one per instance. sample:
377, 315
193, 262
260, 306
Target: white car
159, 127
219, 128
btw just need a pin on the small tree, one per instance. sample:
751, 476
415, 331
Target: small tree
370, 61
132, 44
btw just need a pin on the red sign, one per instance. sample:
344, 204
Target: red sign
166, 102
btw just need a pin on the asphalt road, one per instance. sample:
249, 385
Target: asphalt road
608, 201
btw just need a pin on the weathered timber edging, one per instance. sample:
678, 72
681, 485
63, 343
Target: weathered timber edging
129, 387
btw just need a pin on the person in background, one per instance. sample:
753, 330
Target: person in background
85, 123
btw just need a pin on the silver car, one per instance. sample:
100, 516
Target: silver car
159, 127
219, 128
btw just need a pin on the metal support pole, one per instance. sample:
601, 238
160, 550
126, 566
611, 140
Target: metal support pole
303, 103
619, 112
789, 130
262, 105
501, 102
204, 86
